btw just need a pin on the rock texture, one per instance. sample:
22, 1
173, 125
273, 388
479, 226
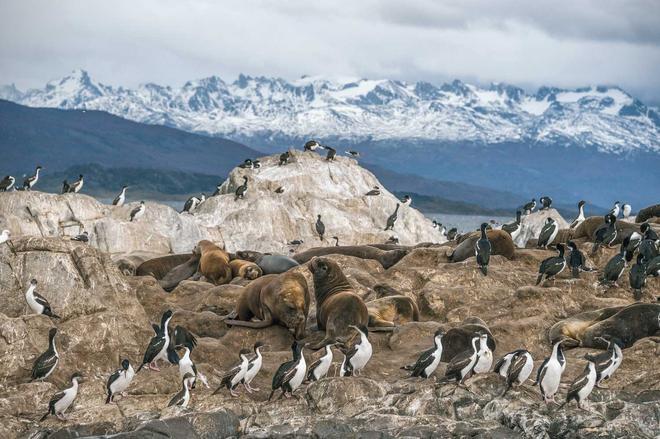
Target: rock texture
267, 221
106, 317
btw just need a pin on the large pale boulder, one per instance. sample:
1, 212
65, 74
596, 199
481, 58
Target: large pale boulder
267, 221
533, 223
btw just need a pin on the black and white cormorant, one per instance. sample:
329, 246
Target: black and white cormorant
359, 355
606, 362
580, 217
391, 220
548, 233
373, 192
119, 381
615, 266
241, 190
61, 401
77, 185
120, 199
552, 266
37, 303
519, 368
138, 212
290, 375
254, 366
482, 250
576, 260
7, 183
182, 397
45, 363
582, 386
637, 277
615, 209
606, 233
319, 368
549, 374
284, 158
312, 145
29, 182
546, 202
157, 348
235, 375
354, 154
320, 227
460, 368
429, 360
332, 153
529, 207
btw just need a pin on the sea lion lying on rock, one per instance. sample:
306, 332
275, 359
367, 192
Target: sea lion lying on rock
268, 262
500, 241
213, 263
274, 298
244, 269
625, 323
159, 267
385, 258
392, 310
181, 272
337, 305
458, 339
648, 213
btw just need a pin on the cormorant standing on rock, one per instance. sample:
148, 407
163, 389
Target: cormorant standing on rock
549, 375
37, 303
648, 232
279, 190
406, 200
392, 219
606, 362
121, 198
241, 190
330, 156
615, 209
29, 182
190, 204
217, 190
290, 375
7, 183
615, 266
182, 397
312, 145
45, 363
319, 368
66, 187
119, 381
627, 210
519, 369
637, 277
61, 401
236, 374
461, 367
336, 238
157, 348
548, 233
254, 366
451, 234
359, 355
546, 202
582, 386
513, 228
482, 250
428, 361
552, 266
4, 236
138, 211
284, 158
606, 233
392, 240
576, 260
529, 207
77, 185
247, 164
83, 237
320, 227
354, 154
580, 218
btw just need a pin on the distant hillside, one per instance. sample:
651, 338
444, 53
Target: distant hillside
58, 139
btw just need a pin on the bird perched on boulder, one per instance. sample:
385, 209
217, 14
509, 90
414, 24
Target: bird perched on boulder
546, 202
7, 183
391, 220
66, 187
247, 164
182, 397
332, 153
4, 236
429, 360
485, 356
549, 375
576, 260
319, 368
83, 237
482, 250
606, 233
615, 209
580, 218
513, 228
637, 277
284, 158
234, 376
518, 370
241, 190
279, 190
406, 200
451, 233
461, 367
356, 358
529, 207
290, 375
373, 192
615, 266
550, 267
37, 303
583, 385
606, 362
77, 185
119, 380
320, 227
120, 199
157, 348
354, 154
312, 145
548, 233
61, 401
626, 209
138, 212
45, 363
254, 366
392, 240
29, 182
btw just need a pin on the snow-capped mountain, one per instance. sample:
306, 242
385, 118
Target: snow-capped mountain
603, 117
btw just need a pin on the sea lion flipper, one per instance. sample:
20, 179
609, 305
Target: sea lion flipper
382, 328
255, 325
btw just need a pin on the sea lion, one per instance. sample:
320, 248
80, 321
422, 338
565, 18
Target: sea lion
337, 305
647, 213
392, 311
500, 241
274, 298
159, 267
384, 290
386, 258
245, 269
213, 263
625, 323
181, 272
268, 262
458, 339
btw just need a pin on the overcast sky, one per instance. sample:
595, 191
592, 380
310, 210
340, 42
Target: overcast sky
527, 43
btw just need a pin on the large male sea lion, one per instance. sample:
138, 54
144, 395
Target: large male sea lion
648, 213
386, 258
625, 323
274, 298
159, 267
337, 305
244, 269
213, 263
180, 272
500, 241
392, 310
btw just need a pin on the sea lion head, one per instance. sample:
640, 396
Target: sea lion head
252, 272
292, 312
328, 278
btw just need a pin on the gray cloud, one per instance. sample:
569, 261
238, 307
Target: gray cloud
528, 43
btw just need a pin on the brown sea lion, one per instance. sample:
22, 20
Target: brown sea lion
500, 241
384, 290
458, 339
392, 311
624, 323
386, 258
214, 263
588, 227
245, 269
180, 272
274, 298
159, 267
647, 213
337, 305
